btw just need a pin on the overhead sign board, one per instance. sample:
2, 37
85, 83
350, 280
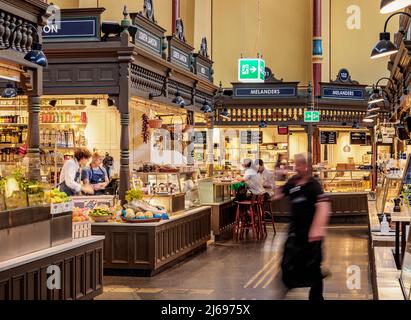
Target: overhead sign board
79, 29
342, 93
251, 70
251, 137
265, 92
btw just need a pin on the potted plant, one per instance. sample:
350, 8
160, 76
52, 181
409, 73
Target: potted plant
134, 195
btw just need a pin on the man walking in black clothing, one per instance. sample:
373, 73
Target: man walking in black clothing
310, 210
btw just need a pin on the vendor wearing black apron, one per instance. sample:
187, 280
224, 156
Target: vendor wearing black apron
96, 175
70, 174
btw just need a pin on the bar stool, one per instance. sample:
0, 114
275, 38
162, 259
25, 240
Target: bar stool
246, 209
268, 207
261, 223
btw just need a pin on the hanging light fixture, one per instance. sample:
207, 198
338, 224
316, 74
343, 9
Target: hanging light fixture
372, 108
206, 108
368, 120
178, 99
9, 92
355, 125
347, 148
262, 124
385, 47
389, 6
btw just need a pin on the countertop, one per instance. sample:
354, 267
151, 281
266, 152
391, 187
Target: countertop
154, 224
16, 262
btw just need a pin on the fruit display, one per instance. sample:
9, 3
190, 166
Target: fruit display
56, 196
129, 215
142, 206
134, 194
80, 215
100, 211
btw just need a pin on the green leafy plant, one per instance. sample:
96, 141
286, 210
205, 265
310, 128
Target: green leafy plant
134, 194
406, 194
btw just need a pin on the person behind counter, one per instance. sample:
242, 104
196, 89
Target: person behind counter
70, 174
96, 175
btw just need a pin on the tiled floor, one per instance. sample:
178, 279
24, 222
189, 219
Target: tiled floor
247, 270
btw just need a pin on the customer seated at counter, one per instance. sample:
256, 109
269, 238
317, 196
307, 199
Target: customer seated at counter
267, 177
96, 175
70, 175
252, 179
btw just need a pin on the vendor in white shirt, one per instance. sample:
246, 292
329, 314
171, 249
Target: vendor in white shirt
251, 178
267, 178
70, 176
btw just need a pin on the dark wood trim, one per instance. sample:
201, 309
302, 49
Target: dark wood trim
29, 281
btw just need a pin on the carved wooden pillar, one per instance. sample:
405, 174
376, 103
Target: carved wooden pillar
317, 55
33, 138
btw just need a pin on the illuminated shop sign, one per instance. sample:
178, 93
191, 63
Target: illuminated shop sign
342, 93
79, 29
278, 92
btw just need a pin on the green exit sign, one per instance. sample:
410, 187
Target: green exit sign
312, 116
251, 70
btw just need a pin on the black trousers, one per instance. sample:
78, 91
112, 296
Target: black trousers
316, 291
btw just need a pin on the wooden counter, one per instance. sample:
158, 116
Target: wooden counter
80, 263
222, 216
345, 208
150, 247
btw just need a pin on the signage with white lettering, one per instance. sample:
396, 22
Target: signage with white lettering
148, 40
358, 138
251, 137
278, 92
342, 93
84, 28
328, 137
203, 70
180, 57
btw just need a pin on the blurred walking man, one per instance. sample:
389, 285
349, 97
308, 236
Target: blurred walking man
310, 210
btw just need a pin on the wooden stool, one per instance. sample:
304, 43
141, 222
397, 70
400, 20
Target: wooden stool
246, 209
268, 206
262, 228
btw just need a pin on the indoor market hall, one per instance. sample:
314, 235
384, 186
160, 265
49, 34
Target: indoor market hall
175, 151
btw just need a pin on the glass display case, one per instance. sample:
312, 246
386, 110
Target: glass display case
390, 188
355, 180
405, 277
213, 190
161, 189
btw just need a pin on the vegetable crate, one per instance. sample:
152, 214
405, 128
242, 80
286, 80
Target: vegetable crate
81, 229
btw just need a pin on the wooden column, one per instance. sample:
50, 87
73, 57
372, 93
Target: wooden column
310, 133
123, 106
33, 138
176, 13
374, 171
317, 47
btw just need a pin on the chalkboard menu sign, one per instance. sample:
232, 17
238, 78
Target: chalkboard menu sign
251, 137
358, 138
200, 137
328, 137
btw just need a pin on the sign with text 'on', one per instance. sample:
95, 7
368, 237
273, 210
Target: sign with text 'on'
251, 70
311, 116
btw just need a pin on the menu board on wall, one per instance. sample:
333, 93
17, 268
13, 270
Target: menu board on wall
358, 138
328, 137
200, 137
251, 137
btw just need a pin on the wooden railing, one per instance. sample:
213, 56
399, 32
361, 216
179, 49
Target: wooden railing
14, 32
286, 115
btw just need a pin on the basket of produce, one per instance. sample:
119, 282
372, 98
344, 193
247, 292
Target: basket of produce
155, 123
101, 214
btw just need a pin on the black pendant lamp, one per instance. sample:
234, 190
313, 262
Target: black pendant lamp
389, 6
385, 47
